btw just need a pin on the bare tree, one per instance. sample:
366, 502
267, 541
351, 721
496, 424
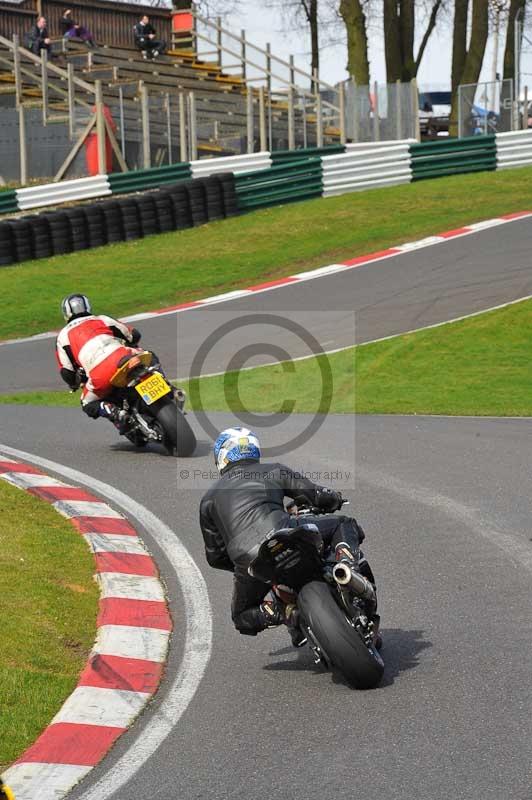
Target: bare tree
467, 60
320, 17
399, 21
353, 13
516, 7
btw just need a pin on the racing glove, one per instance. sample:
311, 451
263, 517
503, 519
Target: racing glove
328, 500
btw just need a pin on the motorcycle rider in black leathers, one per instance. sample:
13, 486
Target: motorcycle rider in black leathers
247, 503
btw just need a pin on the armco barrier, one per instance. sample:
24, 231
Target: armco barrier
363, 167
288, 156
283, 183
8, 201
53, 194
234, 164
513, 149
453, 157
141, 179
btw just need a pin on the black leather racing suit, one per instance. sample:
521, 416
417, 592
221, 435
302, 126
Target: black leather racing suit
238, 512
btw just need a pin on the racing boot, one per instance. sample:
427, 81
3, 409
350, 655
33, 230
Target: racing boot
275, 613
118, 416
292, 623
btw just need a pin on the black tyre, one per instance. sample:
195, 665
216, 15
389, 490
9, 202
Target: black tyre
22, 241
341, 645
165, 211
230, 199
181, 207
178, 435
60, 232
215, 198
112, 220
78, 228
41, 236
7, 246
147, 214
97, 231
198, 202
130, 219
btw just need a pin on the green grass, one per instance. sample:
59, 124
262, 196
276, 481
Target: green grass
47, 616
172, 268
479, 366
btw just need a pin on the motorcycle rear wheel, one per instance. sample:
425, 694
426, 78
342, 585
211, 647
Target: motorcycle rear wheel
177, 433
340, 643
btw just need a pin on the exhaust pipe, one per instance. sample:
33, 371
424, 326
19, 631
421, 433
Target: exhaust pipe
348, 579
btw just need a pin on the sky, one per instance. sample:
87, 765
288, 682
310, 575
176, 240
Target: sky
263, 25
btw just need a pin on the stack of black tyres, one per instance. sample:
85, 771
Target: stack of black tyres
22, 244
197, 200
175, 207
79, 228
112, 220
95, 225
6, 245
130, 219
41, 236
180, 203
147, 214
214, 198
60, 232
165, 211
230, 198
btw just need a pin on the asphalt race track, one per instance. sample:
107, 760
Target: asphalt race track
445, 505
409, 291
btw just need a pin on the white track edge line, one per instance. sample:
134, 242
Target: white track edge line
370, 341
180, 691
228, 296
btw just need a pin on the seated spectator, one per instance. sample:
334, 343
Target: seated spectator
145, 39
70, 29
39, 38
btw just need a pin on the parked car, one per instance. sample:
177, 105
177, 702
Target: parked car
434, 113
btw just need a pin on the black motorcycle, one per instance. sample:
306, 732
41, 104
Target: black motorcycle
155, 409
335, 602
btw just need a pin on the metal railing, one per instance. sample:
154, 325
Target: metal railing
321, 105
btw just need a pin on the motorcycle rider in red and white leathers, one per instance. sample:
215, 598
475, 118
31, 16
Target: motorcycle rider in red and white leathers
88, 350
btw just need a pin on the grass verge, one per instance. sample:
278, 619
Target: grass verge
479, 366
47, 616
170, 268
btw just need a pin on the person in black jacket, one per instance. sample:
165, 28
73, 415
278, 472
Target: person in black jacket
247, 503
39, 38
145, 40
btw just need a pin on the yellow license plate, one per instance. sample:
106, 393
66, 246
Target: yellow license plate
153, 388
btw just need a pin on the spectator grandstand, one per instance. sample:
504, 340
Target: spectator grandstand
183, 105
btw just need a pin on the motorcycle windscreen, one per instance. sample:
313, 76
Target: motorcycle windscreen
289, 557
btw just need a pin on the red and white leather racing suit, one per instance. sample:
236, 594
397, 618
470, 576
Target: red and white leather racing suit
92, 342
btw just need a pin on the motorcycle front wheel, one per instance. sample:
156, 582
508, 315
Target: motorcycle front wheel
339, 642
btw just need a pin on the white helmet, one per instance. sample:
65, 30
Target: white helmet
75, 304
235, 444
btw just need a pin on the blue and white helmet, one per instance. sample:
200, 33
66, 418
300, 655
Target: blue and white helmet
235, 444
